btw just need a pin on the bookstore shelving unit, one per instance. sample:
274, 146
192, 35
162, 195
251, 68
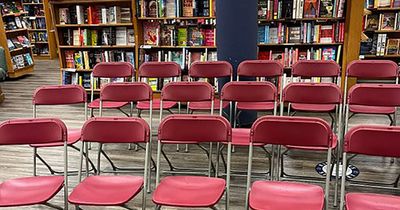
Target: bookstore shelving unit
41, 34
381, 30
14, 38
181, 31
89, 32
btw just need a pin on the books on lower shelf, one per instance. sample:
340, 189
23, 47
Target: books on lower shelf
84, 79
307, 32
21, 61
39, 37
18, 42
298, 9
176, 8
80, 14
98, 37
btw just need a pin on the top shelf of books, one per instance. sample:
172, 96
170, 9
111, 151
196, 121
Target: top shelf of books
382, 5
87, 1
173, 9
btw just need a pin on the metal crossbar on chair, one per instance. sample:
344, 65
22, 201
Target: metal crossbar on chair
304, 132
52, 95
104, 190
34, 190
192, 191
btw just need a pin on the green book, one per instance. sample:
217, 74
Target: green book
94, 37
182, 36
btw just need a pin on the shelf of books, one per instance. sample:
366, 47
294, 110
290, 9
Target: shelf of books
39, 22
14, 38
181, 31
381, 30
89, 32
292, 30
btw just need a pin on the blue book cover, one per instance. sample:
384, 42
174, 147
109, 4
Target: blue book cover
261, 34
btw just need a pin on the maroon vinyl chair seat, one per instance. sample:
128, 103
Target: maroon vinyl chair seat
107, 104
29, 190
189, 191
273, 195
106, 190
370, 201
255, 106
74, 134
361, 109
206, 105
145, 105
313, 107
334, 144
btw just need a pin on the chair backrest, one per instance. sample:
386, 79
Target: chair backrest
247, 91
32, 131
126, 92
374, 95
316, 68
260, 68
372, 69
187, 92
59, 95
113, 70
373, 140
154, 69
312, 93
116, 130
210, 69
295, 131
198, 128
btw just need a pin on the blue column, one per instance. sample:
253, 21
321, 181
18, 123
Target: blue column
237, 38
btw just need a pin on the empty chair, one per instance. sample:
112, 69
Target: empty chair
34, 190
304, 132
192, 191
158, 70
211, 70
110, 71
59, 95
371, 140
107, 190
368, 70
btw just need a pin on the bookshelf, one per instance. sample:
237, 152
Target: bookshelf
301, 30
181, 31
39, 28
381, 30
14, 38
89, 32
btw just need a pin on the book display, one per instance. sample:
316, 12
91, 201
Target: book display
91, 32
38, 22
15, 38
292, 30
381, 30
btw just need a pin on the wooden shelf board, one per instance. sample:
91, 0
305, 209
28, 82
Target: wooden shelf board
299, 44
15, 14
381, 56
174, 18
302, 19
20, 49
387, 31
176, 47
20, 72
96, 47
16, 30
39, 42
94, 25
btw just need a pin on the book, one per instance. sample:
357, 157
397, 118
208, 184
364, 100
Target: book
167, 37
382, 3
182, 36
80, 14
78, 60
170, 8
131, 36
151, 8
329, 53
392, 47
326, 34
310, 8
396, 3
326, 8
195, 36
262, 9
150, 33
63, 15
209, 37
294, 34
121, 36
76, 37
187, 8
69, 59
371, 22
387, 21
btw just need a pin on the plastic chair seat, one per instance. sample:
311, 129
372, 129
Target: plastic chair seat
369, 201
272, 195
313, 107
371, 109
241, 137
74, 135
256, 106
334, 144
145, 105
106, 190
106, 104
29, 190
206, 105
189, 191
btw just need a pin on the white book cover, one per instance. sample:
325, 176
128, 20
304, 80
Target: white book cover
300, 9
104, 15
294, 12
121, 36
383, 45
79, 14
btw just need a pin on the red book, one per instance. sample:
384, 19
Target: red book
69, 59
209, 37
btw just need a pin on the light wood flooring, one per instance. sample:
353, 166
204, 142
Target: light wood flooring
16, 161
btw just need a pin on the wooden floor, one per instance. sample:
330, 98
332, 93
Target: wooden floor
16, 161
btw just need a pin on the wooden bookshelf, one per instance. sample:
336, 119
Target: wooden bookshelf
19, 56
84, 42
41, 34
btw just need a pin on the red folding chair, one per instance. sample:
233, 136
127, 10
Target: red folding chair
247, 92
34, 190
368, 70
304, 132
112, 190
159, 70
110, 70
59, 95
370, 140
192, 191
187, 92
210, 70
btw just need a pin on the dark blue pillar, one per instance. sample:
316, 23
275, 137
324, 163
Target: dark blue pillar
237, 37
